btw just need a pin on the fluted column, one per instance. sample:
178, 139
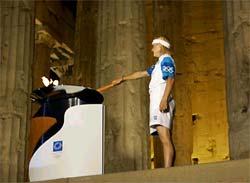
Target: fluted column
41, 66
17, 41
121, 50
85, 43
237, 54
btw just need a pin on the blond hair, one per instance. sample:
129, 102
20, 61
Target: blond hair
163, 48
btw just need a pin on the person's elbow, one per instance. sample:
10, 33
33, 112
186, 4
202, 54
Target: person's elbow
170, 80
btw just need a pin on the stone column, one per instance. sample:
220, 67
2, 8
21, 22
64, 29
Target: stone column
17, 42
85, 43
237, 56
41, 66
121, 50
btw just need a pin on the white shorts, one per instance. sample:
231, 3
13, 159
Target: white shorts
156, 116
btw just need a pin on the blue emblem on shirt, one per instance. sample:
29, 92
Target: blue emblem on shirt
167, 68
57, 146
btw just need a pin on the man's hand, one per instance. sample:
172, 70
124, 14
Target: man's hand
164, 107
117, 81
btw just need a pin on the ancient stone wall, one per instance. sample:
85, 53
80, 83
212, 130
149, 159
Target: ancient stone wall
196, 34
237, 54
204, 40
16, 54
55, 31
57, 20
41, 65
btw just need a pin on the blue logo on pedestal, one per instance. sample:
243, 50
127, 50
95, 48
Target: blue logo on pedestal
57, 146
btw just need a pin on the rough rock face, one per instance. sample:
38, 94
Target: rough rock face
237, 54
17, 42
121, 50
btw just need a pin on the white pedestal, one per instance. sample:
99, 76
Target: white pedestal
77, 149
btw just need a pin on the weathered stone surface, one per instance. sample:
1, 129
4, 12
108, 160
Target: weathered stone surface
85, 44
203, 35
121, 50
57, 20
196, 34
237, 54
41, 65
17, 41
118, 47
55, 31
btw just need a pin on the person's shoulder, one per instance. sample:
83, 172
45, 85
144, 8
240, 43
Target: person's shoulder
167, 59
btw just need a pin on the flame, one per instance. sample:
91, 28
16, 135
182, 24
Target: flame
56, 82
47, 82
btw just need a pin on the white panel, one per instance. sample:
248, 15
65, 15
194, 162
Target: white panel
82, 146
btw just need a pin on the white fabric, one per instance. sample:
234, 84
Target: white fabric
156, 116
156, 76
156, 90
162, 42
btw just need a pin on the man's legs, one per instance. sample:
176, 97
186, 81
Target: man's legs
168, 150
